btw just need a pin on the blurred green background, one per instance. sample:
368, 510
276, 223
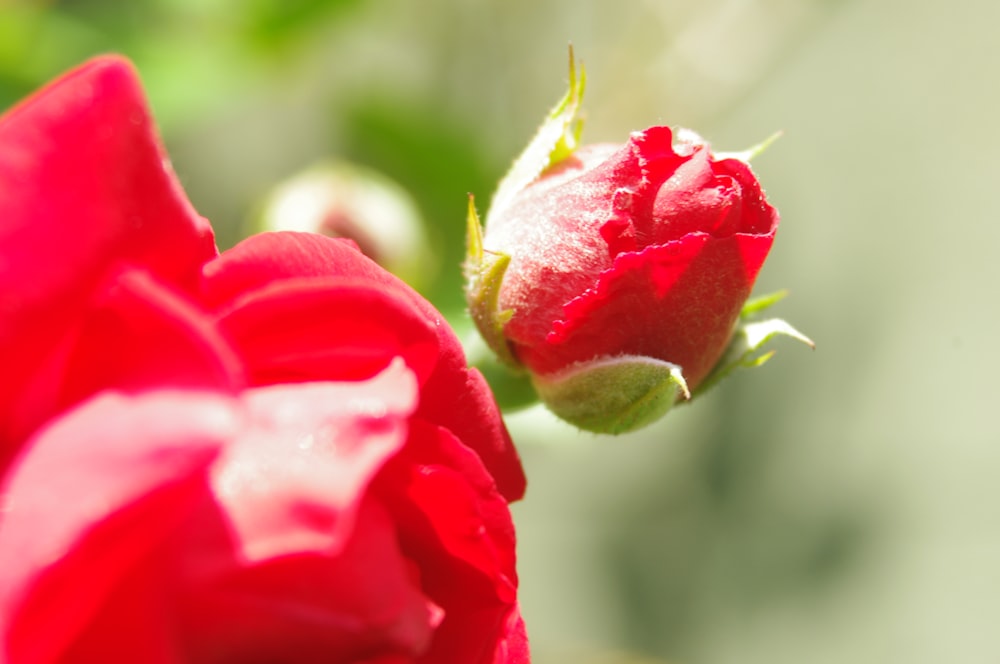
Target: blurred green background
841, 505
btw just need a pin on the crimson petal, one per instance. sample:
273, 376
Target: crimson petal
84, 184
453, 395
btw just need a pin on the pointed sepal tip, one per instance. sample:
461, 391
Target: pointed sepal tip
754, 151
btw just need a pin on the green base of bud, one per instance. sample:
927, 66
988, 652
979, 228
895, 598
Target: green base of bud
613, 394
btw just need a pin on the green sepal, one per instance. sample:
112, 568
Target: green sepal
755, 305
613, 394
754, 151
484, 271
746, 349
556, 139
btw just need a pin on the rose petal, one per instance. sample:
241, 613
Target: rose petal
83, 184
293, 483
142, 334
670, 302
513, 645
265, 258
101, 488
327, 329
453, 395
286, 560
460, 400
353, 606
311, 570
553, 235
457, 527
137, 333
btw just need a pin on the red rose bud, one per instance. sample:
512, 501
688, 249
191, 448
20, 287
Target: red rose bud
616, 274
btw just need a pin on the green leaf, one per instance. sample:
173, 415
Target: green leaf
613, 394
556, 139
274, 22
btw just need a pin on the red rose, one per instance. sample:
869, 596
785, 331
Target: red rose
273, 454
615, 275
642, 249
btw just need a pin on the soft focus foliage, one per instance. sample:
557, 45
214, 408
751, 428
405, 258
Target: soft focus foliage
850, 514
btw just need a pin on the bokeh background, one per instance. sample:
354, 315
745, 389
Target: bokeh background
838, 505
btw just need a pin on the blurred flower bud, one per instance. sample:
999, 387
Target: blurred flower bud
616, 274
341, 199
